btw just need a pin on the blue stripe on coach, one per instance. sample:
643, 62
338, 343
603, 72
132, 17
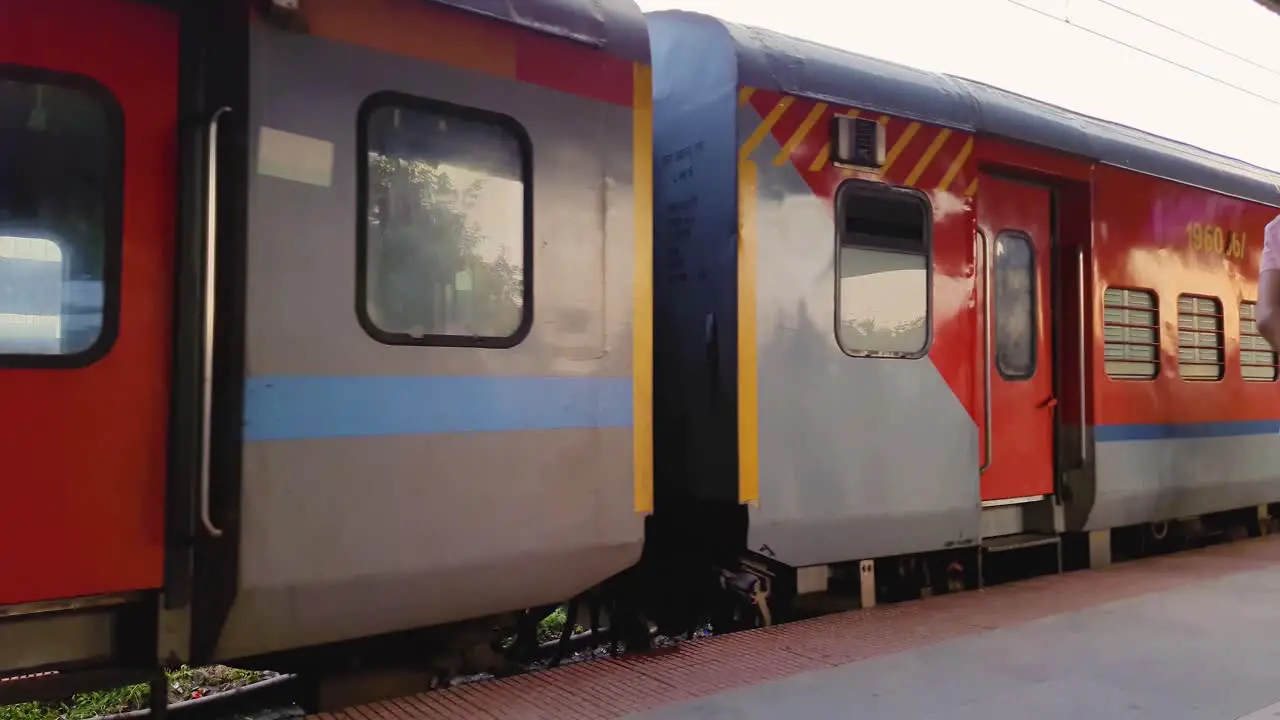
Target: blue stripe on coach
296, 408
1184, 431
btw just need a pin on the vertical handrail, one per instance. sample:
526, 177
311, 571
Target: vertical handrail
1084, 395
987, 276
210, 295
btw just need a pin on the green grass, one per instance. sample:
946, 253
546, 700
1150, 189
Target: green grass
549, 628
184, 683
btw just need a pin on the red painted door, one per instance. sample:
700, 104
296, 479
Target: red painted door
88, 138
1015, 218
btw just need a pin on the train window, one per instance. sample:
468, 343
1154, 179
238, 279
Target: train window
1131, 334
1258, 362
61, 151
446, 236
883, 294
1200, 338
1015, 305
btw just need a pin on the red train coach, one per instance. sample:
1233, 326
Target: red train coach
306, 336
950, 318
89, 159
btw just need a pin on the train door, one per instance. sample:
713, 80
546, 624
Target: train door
88, 143
1016, 221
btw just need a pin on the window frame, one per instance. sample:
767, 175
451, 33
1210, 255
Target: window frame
1158, 358
113, 211
863, 188
1034, 365
1221, 333
405, 101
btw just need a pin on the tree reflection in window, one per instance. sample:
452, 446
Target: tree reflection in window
445, 233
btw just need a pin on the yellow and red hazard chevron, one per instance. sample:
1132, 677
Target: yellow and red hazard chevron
925, 157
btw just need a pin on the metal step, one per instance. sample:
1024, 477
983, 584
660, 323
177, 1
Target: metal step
53, 649
1020, 541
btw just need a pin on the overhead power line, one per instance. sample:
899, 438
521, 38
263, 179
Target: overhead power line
1188, 36
1148, 53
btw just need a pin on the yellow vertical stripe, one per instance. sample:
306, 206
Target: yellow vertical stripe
956, 165
762, 130
900, 145
642, 323
972, 189
929, 154
800, 134
744, 95
748, 389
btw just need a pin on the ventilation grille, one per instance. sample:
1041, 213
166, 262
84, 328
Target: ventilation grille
1258, 362
1131, 334
1200, 341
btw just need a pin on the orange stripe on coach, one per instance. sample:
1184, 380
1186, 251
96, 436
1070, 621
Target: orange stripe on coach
414, 29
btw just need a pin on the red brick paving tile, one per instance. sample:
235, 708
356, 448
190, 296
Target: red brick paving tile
840, 647
364, 712
528, 705
444, 704
387, 710
564, 701
615, 687
594, 678
403, 710
489, 703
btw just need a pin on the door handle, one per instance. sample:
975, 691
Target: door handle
1084, 380
985, 245
210, 298
1048, 403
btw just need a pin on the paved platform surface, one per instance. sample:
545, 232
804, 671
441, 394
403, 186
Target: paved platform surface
1193, 635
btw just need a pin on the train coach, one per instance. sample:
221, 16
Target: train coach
899, 312
333, 321
372, 346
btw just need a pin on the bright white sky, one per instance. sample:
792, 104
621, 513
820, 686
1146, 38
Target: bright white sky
1045, 49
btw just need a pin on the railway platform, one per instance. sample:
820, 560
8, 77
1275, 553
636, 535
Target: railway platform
1190, 635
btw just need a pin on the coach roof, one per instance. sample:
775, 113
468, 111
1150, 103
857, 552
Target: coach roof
772, 61
616, 26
